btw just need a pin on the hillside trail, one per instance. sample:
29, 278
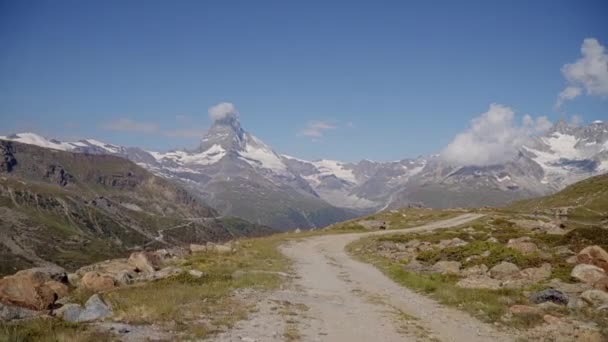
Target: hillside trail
336, 298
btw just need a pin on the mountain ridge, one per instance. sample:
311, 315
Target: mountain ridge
231, 168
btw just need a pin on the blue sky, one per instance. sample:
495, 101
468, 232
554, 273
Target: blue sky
377, 80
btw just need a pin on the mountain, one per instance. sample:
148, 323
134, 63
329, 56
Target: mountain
240, 175
73, 209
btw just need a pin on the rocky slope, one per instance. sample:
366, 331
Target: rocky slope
240, 175
72, 209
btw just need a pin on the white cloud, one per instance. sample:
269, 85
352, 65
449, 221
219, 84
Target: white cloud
493, 137
223, 110
589, 73
316, 128
569, 93
128, 125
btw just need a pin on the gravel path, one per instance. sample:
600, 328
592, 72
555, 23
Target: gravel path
335, 298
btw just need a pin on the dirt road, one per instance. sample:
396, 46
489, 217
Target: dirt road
338, 299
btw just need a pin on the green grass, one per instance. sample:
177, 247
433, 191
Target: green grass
487, 305
204, 305
49, 330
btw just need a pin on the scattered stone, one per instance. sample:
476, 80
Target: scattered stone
164, 273
595, 297
298, 230
588, 274
492, 240
568, 288
477, 270
10, 312
146, 262
593, 255
549, 295
69, 312
552, 319
523, 245
27, 291
73, 279
413, 243
94, 309
455, 242
536, 274
415, 266
447, 267
43, 274
194, 248
573, 260
504, 270
97, 282
196, 273
479, 282
525, 310
563, 251
61, 290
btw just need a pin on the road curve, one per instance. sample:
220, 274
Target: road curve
350, 301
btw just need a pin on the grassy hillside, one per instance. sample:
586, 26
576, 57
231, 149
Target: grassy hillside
585, 200
75, 209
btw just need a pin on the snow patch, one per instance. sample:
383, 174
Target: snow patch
332, 167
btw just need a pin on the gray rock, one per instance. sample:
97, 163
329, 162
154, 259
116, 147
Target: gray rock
479, 282
504, 270
447, 267
94, 309
477, 270
196, 273
549, 295
595, 297
69, 312
9, 312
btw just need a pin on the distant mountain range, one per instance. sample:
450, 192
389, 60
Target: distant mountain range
238, 174
73, 209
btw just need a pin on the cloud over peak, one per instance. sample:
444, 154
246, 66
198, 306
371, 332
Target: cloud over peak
222, 111
493, 137
588, 73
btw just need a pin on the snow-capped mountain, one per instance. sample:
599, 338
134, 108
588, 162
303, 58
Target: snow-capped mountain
240, 175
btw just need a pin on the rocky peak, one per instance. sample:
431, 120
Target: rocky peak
227, 133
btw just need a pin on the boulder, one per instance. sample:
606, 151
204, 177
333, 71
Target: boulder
145, 262
69, 312
10, 312
196, 273
523, 245
549, 295
223, 249
194, 248
94, 309
43, 274
413, 243
28, 291
455, 242
61, 290
588, 274
97, 282
446, 267
536, 274
492, 240
164, 273
595, 297
476, 270
504, 270
479, 282
73, 279
593, 255
525, 310
568, 288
